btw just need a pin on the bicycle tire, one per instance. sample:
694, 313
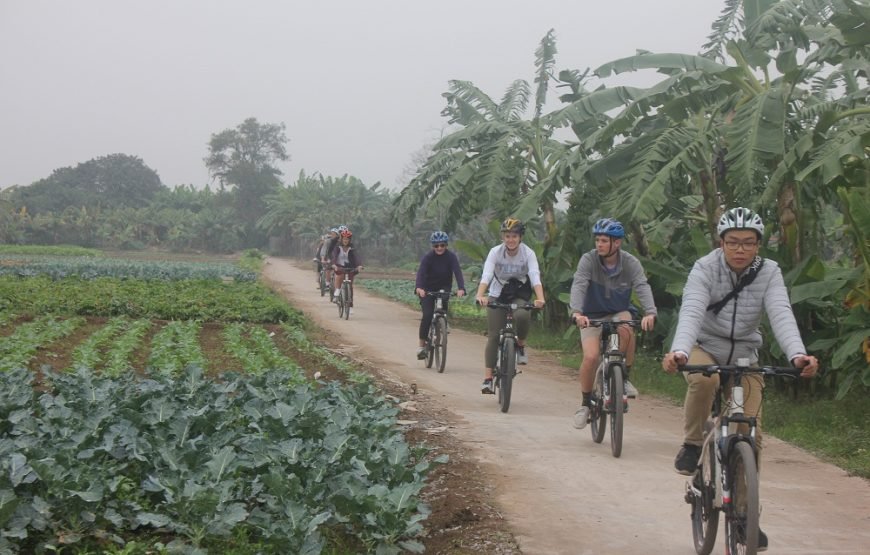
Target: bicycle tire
506, 373
617, 409
705, 515
430, 346
596, 411
345, 292
440, 343
322, 283
741, 520
340, 304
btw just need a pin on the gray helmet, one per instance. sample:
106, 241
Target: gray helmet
740, 218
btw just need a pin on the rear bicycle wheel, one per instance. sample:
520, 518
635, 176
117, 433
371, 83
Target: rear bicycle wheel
345, 293
705, 515
507, 368
430, 346
741, 521
617, 409
440, 343
322, 283
340, 304
596, 410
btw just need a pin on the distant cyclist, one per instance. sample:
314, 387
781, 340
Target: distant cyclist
437, 269
723, 300
510, 273
345, 259
326, 249
602, 287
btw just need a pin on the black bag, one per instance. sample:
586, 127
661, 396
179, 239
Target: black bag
515, 289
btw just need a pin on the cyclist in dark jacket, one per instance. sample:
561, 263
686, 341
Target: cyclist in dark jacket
437, 270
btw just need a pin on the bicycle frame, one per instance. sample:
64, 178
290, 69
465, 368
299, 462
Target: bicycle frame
345, 293
711, 490
506, 363
608, 393
437, 339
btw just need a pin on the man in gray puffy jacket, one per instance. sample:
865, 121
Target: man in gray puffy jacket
723, 300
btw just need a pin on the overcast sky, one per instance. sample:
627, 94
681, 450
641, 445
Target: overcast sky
358, 83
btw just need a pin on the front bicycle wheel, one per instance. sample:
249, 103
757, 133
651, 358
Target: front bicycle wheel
741, 521
440, 343
507, 368
430, 346
345, 293
322, 283
705, 515
596, 410
617, 409
340, 304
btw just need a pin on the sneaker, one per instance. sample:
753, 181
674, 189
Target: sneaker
581, 417
422, 353
630, 390
762, 540
687, 459
350, 311
487, 388
521, 355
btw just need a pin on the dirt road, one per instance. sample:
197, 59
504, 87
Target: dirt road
562, 493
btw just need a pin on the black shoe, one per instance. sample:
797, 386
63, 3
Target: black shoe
762, 540
687, 459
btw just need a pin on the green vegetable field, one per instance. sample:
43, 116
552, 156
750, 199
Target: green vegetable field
169, 406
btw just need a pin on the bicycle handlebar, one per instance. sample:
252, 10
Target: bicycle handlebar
441, 293
512, 306
599, 323
710, 369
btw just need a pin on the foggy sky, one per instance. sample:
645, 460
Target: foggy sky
358, 83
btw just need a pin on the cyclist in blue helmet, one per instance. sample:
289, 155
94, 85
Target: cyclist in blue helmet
602, 287
437, 269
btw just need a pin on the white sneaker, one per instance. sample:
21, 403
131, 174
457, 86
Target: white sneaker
350, 311
581, 417
522, 357
630, 390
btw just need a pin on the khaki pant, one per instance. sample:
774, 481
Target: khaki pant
495, 319
699, 400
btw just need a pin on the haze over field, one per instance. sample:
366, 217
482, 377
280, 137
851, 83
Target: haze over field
358, 84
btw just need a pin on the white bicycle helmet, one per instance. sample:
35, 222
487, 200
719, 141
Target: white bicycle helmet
740, 218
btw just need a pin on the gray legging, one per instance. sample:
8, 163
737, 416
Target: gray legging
495, 319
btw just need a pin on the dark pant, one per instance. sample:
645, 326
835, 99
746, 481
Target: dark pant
427, 303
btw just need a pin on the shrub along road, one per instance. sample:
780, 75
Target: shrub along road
562, 493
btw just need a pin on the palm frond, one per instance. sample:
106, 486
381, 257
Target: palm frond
515, 100
727, 26
755, 137
545, 59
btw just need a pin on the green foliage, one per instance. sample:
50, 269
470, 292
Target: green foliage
403, 291
18, 348
93, 267
48, 250
210, 300
201, 461
174, 348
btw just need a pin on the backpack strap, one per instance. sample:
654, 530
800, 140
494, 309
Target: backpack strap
744, 280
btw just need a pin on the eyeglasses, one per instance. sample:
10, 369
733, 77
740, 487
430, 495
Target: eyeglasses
734, 245
440, 246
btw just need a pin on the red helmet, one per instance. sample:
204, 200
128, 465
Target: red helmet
347, 233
